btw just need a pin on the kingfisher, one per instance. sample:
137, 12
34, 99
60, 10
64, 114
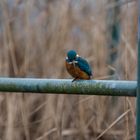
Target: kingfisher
77, 66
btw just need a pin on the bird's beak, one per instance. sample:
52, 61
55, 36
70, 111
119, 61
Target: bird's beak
73, 62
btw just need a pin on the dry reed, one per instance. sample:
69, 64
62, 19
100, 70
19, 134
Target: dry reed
34, 39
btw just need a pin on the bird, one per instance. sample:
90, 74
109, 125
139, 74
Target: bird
77, 66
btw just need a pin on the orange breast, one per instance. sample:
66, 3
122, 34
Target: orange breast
71, 70
76, 72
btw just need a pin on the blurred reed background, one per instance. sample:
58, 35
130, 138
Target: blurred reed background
34, 38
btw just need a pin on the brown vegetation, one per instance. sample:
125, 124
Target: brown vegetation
34, 39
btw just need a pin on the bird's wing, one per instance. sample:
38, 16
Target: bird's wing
84, 66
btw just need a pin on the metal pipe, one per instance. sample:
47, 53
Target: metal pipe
65, 86
138, 80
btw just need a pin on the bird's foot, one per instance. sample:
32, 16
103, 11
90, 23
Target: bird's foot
75, 79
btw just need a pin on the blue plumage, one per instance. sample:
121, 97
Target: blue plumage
71, 55
83, 65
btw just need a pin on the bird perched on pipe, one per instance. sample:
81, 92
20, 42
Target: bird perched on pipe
77, 66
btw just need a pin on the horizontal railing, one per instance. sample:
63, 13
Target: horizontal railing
66, 86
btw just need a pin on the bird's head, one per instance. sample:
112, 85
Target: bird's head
71, 56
